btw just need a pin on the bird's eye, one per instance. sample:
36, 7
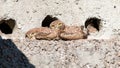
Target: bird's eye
52, 26
32, 33
60, 24
27, 35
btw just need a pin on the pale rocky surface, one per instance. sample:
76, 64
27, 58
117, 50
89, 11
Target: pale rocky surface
100, 50
30, 13
60, 54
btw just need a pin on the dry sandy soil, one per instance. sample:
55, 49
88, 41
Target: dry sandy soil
59, 54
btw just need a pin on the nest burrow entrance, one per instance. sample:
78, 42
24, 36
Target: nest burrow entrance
48, 20
94, 22
7, 26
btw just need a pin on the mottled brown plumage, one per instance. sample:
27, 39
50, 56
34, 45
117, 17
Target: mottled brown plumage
42, 33
48, 34
32, 32
57, 30
73, 33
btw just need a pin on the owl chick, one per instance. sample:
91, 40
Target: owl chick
47, 34
42, 33
73, 33
57, 24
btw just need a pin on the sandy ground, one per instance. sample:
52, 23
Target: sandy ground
60, 54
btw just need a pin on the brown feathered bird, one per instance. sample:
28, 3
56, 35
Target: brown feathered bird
73, 33
42, 33
45, 32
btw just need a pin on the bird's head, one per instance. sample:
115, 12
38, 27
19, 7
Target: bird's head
57, 24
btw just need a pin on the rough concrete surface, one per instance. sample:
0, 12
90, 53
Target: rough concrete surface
60, 54
100, 50
30, 14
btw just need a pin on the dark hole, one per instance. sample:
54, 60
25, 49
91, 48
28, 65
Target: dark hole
48, 19
114, 6
93, 21
7, 26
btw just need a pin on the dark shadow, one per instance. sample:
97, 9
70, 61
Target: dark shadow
7, 26
11, 56
93, 21
47, 20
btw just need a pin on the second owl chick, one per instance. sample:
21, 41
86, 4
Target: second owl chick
73, 33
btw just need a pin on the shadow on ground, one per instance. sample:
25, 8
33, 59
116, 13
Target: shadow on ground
11, 56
